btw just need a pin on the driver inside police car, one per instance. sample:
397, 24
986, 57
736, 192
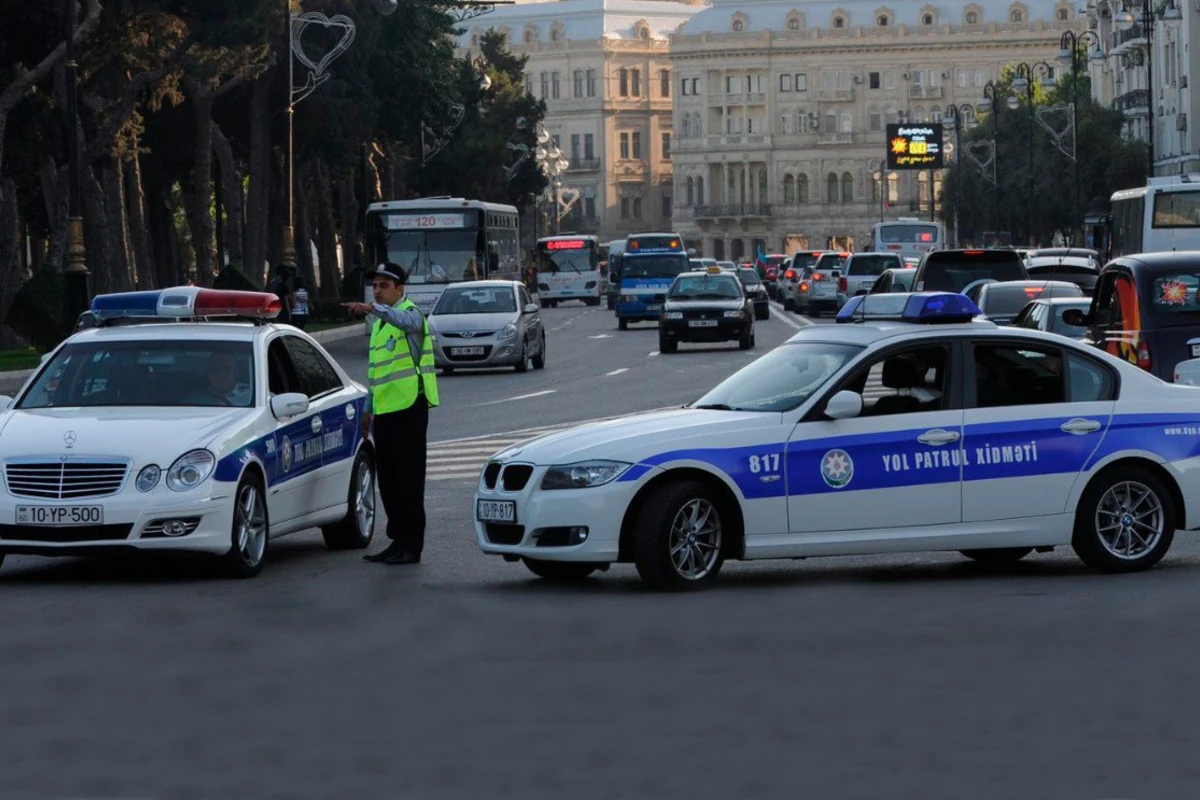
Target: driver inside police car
221, 374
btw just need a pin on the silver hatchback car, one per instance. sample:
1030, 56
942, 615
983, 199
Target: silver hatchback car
487, 324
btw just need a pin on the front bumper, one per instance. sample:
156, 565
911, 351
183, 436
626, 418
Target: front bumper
495, 352
131, 520
547, 521
723, 331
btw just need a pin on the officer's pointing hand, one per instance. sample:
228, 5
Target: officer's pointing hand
357, 308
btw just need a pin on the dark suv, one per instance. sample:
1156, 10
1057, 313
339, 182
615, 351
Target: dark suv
957, 270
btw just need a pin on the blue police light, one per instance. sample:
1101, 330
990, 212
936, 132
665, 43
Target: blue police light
185, 302
924, 307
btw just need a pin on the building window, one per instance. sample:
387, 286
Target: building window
847, 188
591, 83
589, 208
700, 191
873, 81
695, 86
730, 84
738, 26
927, 19
847, 122
1017, 15
831, 120
839, 22
979, 77
882, 21
666, 205
691, 192
637, 145
785, 120
624, 208
554, 85
687, 125
635, 76
875, 121
545, 85
683, 87
1062, 14
793, 23
528, 83
664, 82
589, 150
579, 83
625, 146
789, 190
637, 208
972, 17
666, 147
530, 35
802, 188
832, 188
575, 148
623, 83
785, 83
801, 83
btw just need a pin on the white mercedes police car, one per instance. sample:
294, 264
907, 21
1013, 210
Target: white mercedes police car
160, 430
910, 428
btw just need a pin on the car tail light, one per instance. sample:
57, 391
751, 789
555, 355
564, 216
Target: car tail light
843, 286
816, 276
804, 286
790, 274
1143, 355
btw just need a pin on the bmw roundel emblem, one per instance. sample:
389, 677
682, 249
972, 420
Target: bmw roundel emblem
837, 468
285, 455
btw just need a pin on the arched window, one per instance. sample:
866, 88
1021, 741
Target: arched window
762, 186
802, 188
687, 125
831, 188
847, 122
691, 192
738, 26
927, 19
789, 190
972, 17
847, 187
643, 33
1062, 14
793, 23
1017, 15
876, 188
839, 22
699, 191
530, 35
882, 21
786, 123
697, 127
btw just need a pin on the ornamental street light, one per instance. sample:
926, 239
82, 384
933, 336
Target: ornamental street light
76, 277
553, 164
955, 119
1023, 83
991, 102
1126, 20
1069, 54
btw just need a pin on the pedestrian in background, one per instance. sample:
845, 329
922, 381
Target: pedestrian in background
400, 374
300, 304
281, 287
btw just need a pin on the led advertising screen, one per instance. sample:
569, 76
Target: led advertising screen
915, 146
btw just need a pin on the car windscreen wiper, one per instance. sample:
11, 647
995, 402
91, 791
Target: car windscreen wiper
716, 407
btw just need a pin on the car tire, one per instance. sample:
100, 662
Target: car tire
560, 571
539, 361
763, 313
623, 324
789, 304
250, 533
523, 364
355, 530
997, 556
668, 520
666, 345
746, 340
1138, 505
593, 301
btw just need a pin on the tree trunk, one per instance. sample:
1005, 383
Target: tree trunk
199, 213
305, 188
348, 214
102, 252
10, 259
390, 185
121, 276
231, 197
54, 194
143, 259
326, 233
160, 216
258, 199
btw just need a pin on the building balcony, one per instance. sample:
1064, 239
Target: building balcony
830, 139
584, 165
1132, 39
734, 211
836, 95
1133, 104
925, 92
741, 141
631, 171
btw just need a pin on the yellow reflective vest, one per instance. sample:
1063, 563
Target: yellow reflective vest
393, 376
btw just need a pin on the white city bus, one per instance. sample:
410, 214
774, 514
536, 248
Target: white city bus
568, 268
442, 240
1160, 217
908, 237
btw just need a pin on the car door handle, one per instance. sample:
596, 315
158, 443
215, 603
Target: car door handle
316, 424
938, 437
1081, 427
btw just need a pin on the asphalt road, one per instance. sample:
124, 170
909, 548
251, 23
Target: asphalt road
923, 676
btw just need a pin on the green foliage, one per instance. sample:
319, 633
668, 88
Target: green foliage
37, 310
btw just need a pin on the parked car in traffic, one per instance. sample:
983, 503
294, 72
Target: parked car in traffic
1046, 314
817, 288
487, 324
862, 270
1074, 264
708, 306
956, 270
756, 290
1002, 301
894, 281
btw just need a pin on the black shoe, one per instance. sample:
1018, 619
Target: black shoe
403, 557
391, 550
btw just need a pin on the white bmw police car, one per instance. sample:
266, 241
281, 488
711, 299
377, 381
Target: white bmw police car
911, 428
160, 430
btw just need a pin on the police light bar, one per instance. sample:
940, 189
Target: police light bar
923, 307
186, 302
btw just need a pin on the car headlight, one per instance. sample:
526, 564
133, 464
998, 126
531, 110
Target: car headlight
508, 331
147, 479
629, 298
734, 314
190, 470
673, 315
583, 475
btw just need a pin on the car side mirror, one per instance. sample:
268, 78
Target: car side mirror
844, 405
5, 402
1076, 316
532, 308
288, 404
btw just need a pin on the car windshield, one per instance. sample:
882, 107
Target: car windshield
803, 260
749, 277
476, 300
705, 287
1174, 294
659, 266
145, 373
869, 265
1007, 301
782, 379
1058, 326
952, 271
1064, 266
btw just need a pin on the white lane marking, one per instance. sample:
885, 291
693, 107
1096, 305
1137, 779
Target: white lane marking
786, 320
652, 355
616, 372
602, 336
518, 397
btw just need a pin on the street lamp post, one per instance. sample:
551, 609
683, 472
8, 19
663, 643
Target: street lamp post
956, 117
991, 100
1125, 21
1068, 54
1023, 82
553, 164
76, 276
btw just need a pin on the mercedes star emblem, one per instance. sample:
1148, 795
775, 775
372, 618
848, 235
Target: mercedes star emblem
69, 437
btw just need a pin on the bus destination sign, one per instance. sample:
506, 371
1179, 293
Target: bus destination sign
915, 146
566, 244
408, 222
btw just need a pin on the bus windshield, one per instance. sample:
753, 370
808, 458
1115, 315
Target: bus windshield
667, 265
580, 257
908, 233
436, 256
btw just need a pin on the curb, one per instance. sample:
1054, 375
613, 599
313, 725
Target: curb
14, 380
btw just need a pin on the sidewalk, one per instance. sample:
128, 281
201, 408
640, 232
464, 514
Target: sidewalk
10, 382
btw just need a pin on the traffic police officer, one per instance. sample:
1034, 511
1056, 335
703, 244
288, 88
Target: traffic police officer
403, 388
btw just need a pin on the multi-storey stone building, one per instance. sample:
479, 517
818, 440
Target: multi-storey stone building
780, 109
603, 69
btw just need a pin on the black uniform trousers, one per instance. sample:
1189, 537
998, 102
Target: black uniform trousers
400, 443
